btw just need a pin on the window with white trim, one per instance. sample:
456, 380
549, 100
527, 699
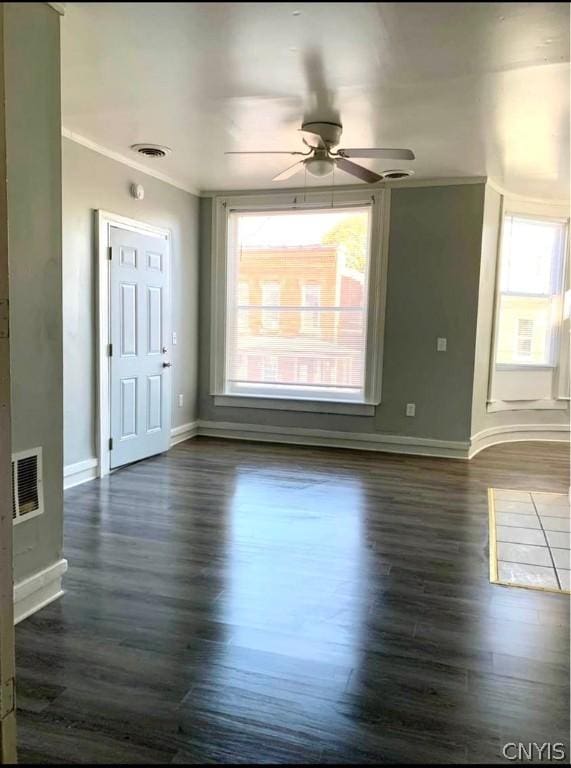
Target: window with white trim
301, 320
529, 309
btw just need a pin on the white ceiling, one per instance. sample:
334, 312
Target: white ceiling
473, 88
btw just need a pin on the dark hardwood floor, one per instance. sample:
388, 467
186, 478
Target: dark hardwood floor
237, 602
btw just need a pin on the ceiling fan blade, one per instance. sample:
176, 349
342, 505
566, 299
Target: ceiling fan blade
313, 139
381, 154
357, 170
270, 152
289, 172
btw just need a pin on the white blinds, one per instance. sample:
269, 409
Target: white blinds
297, 303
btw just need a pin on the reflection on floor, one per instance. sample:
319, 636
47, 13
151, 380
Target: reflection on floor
235, 602
529, 539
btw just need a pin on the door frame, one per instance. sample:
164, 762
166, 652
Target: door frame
104, 220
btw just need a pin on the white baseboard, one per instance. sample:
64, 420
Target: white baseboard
515, 433
38, 590
81, 472
419, 446
184, 432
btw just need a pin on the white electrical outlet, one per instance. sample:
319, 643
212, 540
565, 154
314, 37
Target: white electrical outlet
411, 409
174, 337
441, 344
180, 401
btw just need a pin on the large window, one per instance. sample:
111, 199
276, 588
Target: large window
531, 285
530, 317
296, 322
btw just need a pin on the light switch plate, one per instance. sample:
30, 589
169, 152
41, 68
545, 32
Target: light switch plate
441, 344
411, 409
174, 337
180, 401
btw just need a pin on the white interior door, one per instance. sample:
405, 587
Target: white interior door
140, 381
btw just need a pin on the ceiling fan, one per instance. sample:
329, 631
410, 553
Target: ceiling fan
320, 160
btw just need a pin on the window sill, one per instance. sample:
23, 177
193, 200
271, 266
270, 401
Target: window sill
524, 367
283, 404
495, 406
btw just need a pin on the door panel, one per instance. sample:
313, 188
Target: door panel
128, 319
128, 406
139, 333
154, 403
155, 316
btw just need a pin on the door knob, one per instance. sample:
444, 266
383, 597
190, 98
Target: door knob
167, 365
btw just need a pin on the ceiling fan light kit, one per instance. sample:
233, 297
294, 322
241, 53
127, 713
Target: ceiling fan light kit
320, 160
319, 164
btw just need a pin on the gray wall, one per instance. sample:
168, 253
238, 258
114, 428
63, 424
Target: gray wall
92, 181
481, 419
433, 273
33, 134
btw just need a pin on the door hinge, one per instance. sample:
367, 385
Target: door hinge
110, 443
7, 698
110, 253
4, 319
110, 350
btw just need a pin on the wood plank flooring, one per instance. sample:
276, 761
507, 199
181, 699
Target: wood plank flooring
242, 602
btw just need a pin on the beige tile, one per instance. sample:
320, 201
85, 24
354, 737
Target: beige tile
519, 521
558, 539
552, 510
527, 575
555, 523
507, 495
551, 498
565, 579
517, 507
561, 558
523, 553
520, 535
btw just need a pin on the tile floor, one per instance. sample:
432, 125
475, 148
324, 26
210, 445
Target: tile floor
529, 539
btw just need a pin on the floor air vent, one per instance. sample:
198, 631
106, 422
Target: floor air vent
27, 492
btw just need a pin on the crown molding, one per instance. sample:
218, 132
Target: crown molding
59, 7
119, 158
448, 181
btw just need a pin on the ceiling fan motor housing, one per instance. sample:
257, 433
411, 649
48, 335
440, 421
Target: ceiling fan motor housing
329, 132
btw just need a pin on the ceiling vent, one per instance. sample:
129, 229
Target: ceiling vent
396, 174
151, 150
27, 490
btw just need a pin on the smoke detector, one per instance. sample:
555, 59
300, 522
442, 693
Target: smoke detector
396, 174
151, 150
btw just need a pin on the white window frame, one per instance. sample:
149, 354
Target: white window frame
559, 399
379, 200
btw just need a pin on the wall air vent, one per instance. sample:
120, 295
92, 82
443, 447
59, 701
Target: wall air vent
151, 150
27, 489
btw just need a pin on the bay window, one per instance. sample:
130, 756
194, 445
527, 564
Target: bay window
530, 343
